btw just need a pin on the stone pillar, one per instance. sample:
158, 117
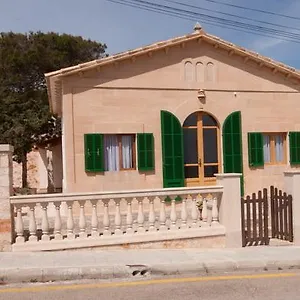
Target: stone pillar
43, 172
292, 187
6, 186
230, 208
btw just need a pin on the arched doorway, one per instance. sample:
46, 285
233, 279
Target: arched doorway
201, 140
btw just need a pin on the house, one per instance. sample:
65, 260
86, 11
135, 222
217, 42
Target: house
175, 113
44, 163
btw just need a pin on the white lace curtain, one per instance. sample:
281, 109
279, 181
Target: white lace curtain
267, 153
279, 148
111, 156
127, 151
112, 152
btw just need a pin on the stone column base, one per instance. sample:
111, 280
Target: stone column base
5, 235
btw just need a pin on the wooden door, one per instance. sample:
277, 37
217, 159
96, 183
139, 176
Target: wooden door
201, 149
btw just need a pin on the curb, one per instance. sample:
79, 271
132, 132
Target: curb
26, 275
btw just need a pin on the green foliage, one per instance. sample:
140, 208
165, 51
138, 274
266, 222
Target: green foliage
24, 59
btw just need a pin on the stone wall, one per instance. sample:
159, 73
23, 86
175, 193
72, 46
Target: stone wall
6, 215
32, 169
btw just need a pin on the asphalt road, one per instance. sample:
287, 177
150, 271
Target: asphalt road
266, 286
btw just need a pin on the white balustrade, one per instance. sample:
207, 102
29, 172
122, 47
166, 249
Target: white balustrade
141, 217
19, 225
162, 215
173, 214
215, 212
70, 221
32, 224
99, 209
129, 217
151, 214
184, 215
195, 210
82, 222
106, 221
118, 218
57, 223
45, 223
204, 212
94, 222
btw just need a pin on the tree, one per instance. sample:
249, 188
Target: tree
24, 108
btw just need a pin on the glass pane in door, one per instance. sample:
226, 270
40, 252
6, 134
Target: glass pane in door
191, 172
190, 145
210, 145
210, 171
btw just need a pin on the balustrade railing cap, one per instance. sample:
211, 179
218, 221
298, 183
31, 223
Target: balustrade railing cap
290, 173
6, 148
101, 195
228, 175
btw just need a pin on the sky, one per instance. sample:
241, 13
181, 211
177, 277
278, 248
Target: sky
123, 28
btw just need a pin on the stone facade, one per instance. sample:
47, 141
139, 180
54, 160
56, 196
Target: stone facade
126, 96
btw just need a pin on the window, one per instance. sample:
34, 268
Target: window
266, 148
119, 152
274, 148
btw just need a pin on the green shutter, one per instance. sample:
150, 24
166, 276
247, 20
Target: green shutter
255, 149
294, 148
94, 158
232, 146
98, 153
172, 150
145, 149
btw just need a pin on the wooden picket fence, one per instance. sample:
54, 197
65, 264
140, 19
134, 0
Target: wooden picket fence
281, 215
255, 217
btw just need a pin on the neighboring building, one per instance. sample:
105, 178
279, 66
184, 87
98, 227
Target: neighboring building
44, 171
175, 113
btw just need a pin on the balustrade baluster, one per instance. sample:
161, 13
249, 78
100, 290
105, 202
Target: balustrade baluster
195, 210
32, 224
118, 221
215, 212
173, 214
94, 222
70, 221
204, 213
129, 218
57, 222
151, 214
45, 222
82, 221
162, 215
19, 225
184, 215
106, 221
141, 217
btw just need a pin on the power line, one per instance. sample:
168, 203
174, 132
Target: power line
230, 15
221, 20
215, 21
254, 9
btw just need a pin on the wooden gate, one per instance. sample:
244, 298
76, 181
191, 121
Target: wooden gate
281, 215
255, 219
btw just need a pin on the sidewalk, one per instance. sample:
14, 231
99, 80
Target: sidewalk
71, 265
